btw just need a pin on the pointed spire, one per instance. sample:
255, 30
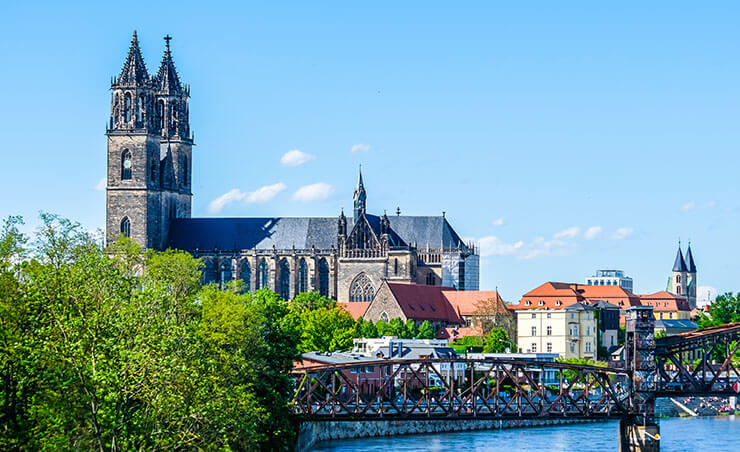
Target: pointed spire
134, 69
679, 265
167, 78
690, 260
360, 198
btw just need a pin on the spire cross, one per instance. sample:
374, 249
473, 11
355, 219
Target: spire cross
167, 39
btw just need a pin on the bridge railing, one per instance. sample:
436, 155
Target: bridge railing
460, 388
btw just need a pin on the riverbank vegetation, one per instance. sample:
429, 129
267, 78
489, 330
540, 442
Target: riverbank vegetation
122, 349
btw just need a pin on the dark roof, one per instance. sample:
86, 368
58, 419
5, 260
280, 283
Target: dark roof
680, 324
250, 233
421, 302
134, 69
579, 307
679, 265
690, 260
300, 232
422, 231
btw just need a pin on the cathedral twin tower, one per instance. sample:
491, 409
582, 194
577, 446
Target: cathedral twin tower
149, 150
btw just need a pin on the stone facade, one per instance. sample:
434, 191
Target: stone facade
149, 199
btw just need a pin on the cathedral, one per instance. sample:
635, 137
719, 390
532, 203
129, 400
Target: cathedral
347, 258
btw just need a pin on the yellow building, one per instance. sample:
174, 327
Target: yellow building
569, 332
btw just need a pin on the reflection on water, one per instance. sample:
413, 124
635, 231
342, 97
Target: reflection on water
677, 435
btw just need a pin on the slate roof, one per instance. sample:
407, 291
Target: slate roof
679, 265
690, 260
301, 232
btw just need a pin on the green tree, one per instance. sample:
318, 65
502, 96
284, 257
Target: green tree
725, 309
426, 331
306, 301
365, 328
462, 344
498, 341
326, 330
382, 327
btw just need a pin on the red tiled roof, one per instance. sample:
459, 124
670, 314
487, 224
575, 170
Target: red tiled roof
549, 294
421, 302
467, 302
356, 308
665, 301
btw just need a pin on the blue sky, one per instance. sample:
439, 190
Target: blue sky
563, 137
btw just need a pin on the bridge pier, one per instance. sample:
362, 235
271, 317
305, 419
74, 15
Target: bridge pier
635, 437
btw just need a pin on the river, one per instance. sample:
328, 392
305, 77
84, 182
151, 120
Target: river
711, 434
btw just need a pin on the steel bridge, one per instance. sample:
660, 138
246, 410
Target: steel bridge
695, 363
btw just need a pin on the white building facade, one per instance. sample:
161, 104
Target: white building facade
610, 278
569, 332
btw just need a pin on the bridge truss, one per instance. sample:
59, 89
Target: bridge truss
460, 389
699, 362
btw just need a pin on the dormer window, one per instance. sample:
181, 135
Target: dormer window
541, 303
527, 303
558, 302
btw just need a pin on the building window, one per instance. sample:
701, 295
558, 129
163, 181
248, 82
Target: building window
284, 279
542, 302
361, 289
572, 347
225, 273
527, 303
246, 276
302, 276
549, 330
126, 227
588, 347
127, 107
395, 267
549, 315
678, 290
210, 271
461, 275
534, 347
153, 171
262, 275
549, 347
588, 331
126, 165
678, 279
534, 315
558, 302
160, 116
323, 277
384, 316
431, 280
534, 331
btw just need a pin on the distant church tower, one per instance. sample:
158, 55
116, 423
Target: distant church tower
683, 277
149, 151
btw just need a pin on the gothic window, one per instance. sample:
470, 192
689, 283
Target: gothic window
323, 278
126, 227
127, 107
384, 316
395, 267
140, 112
361, 289
246, 274
431, 280
160, 115
262, 275
678, 290
284, 287
153, 170
225, 272
678, 279
126, 165
302, 276
210, 273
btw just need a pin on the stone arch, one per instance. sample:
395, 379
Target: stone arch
126, 165
361, 289
246, 275
126, 227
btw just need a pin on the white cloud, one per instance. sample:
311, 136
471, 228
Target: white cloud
592, 232
261, 195
296, 157
100, 186
313, 192
569, 233
622, 233
498, 221
359, 147
692, 205
493, 246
